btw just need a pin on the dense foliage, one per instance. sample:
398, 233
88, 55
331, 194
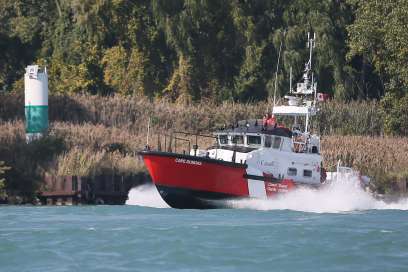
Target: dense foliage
212, 49
188, 50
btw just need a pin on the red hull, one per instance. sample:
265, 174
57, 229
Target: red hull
197, 174
186, 181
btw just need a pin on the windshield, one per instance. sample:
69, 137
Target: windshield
253, 140
237, 139
223, 139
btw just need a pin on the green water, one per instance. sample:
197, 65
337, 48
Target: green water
134, 238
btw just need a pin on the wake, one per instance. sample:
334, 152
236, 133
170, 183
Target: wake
337, 197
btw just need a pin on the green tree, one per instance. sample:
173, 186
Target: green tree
125, 72
328, 20
394, 106
379, 35
24, 24
202, 34
181, 83
225, 49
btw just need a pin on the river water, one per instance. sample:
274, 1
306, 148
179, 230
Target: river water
338, 229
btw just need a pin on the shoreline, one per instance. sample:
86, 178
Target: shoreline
94, 135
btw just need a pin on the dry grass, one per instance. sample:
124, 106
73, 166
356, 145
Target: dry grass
91, 147
378, 157
132, 113
97, 149
88, 149
354, 118
11, 133
103, 135
88, 162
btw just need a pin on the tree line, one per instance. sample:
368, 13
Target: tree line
188, 50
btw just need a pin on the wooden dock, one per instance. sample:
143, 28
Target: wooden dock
74, 190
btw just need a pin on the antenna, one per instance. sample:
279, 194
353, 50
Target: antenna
308, 40
277, 68
314, 89
311, 44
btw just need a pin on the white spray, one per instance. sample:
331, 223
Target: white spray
147, 196
338, 197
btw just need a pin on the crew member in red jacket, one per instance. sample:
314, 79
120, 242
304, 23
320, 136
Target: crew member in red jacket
269, 120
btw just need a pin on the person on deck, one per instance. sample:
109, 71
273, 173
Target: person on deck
264, 120
269, 120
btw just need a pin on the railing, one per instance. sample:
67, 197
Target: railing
175, 142
302, 143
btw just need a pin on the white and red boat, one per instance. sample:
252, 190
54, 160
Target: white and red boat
255, 158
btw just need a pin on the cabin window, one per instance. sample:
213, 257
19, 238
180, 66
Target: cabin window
307, 173
268, 141
292, 171
276, 142
223, 139
253, 140
237, 139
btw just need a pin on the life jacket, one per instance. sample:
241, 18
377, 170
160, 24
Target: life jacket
271, 121
264, 121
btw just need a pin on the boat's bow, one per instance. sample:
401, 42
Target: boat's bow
186, 181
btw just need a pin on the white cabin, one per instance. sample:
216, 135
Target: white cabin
278, 152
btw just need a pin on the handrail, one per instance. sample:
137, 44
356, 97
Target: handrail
195, 134
171, 141
181, 139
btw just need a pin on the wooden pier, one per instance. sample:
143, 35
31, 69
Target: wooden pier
74, 190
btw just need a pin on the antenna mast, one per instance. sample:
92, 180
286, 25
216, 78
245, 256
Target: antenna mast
276, 72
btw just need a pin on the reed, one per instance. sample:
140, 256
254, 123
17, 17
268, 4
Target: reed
90, 135
353, 118
95, 149
133, 113
368, 154
83, 150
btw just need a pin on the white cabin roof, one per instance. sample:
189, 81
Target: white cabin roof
294, 110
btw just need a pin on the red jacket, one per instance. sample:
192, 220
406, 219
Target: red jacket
271, 121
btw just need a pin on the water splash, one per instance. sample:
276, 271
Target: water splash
147, 196
337, 197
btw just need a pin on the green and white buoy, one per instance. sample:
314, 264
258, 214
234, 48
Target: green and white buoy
36, 102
